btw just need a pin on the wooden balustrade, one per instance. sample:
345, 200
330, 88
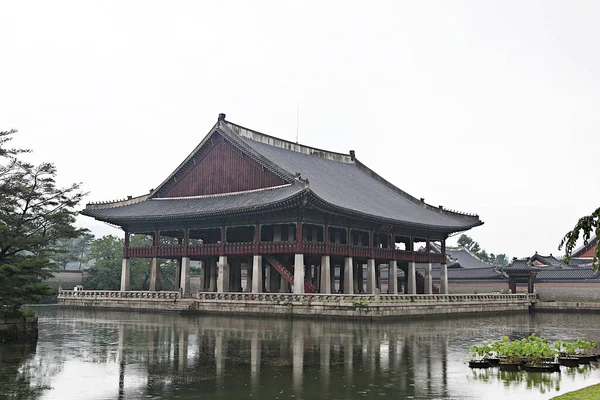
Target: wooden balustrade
280, 247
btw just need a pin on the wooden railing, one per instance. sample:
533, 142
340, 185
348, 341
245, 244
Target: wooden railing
289, 247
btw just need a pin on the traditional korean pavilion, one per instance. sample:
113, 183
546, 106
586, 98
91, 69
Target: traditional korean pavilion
288, 215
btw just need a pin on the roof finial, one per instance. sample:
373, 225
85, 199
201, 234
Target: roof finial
352, 155
222, 117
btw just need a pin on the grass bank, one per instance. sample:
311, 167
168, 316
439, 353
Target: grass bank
588, 393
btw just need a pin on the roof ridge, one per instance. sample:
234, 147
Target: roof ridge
290, 145
116, 203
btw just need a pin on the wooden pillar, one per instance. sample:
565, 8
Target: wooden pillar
298, 236
223, 239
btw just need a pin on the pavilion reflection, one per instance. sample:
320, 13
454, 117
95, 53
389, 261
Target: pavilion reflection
212, 353
169, 353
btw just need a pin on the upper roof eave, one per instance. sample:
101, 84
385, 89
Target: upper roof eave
445, 229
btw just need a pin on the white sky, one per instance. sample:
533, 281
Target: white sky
481, 106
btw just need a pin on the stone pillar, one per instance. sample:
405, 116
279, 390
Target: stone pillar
299, 273
284, 286
393, 278
371, 282
257, 279
332, 281
154, 274
444, 279
184, 283
428, 280
125, 275
348, 281
237, 276
268, 272
202, 276
249, 278
223, 276
177, 282
411, 279
212, 286
325, 275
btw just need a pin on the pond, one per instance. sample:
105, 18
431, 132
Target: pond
92, 354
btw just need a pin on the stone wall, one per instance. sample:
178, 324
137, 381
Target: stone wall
284, 304
18, 329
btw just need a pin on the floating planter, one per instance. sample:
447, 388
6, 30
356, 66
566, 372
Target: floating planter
568, 361
533, 354
479, 364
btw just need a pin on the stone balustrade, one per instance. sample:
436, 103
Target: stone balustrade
365, 298
111, 294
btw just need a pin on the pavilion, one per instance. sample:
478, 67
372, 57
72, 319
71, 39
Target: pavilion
289, 214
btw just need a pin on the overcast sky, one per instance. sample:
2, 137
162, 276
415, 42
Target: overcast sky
481, 106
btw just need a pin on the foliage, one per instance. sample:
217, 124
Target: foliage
474, 247
34, 215
533, 349
586, 227
106, 253
72, 251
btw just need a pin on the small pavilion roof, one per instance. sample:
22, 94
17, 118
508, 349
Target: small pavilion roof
486, 273
465, 258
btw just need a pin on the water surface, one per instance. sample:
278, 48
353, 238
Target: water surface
90, 354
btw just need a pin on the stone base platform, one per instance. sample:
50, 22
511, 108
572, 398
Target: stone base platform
373, 306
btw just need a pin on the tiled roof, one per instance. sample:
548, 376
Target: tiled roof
581, 250
198, 206
578, 274
331, 180
344, 182
466, 259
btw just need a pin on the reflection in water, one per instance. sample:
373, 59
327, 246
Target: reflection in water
100, 354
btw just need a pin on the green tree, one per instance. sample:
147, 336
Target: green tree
586, 227
465, 241
474, 247
34, 215
72, 251
106, 254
